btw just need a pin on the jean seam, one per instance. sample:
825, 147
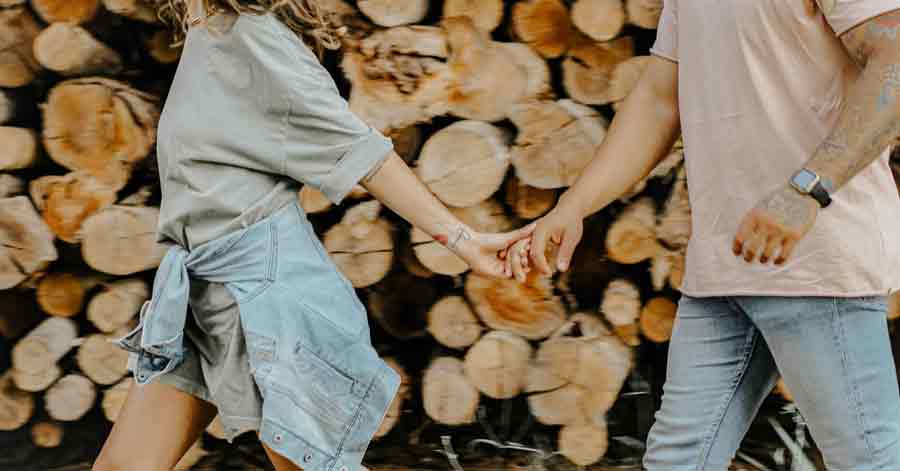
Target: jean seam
340, 449
749, 347
840, 337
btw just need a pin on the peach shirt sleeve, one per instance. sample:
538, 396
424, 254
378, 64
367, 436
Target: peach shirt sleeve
843, 15
666, 44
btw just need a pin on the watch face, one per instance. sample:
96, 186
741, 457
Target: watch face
804, 180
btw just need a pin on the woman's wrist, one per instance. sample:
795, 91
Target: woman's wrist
455, 236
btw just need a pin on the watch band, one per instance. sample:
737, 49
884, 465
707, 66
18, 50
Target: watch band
820, 194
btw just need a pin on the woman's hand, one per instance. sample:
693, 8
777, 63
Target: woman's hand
517, 261
563, 226
484, 252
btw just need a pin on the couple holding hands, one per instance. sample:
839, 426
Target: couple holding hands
787, 110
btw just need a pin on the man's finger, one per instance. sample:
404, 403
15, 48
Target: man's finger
570, 240
786, 249
772, 244
517, 269
745, 231
538, 246
752, 247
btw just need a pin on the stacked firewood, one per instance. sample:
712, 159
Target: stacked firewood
497, 104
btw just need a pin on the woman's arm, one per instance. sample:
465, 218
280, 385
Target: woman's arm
395, 185
641, 134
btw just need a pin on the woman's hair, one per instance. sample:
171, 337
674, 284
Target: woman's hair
306, 18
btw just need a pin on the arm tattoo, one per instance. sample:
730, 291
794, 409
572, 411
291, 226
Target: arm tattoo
870, 116
459, 235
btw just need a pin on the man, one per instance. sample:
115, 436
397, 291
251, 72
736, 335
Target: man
787, 108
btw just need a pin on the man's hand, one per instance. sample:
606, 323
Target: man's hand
563, 226
483, 251
777, 223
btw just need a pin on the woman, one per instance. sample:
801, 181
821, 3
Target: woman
278, 342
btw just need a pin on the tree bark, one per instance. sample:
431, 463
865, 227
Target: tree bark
26, 243
497, 364
447, 395
71, 50
121, 240
18, 29
70, 398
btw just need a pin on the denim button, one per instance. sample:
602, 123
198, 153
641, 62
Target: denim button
278, 438
307, 458
344, 468
158, 362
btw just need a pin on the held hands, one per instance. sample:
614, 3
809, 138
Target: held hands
556, 235
777, 223
484, 252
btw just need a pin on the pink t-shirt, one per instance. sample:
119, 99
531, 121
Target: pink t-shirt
761, 83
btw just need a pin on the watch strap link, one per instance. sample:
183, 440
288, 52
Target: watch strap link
821, 195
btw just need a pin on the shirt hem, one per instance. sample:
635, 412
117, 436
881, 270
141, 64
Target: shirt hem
785, 294
873, 13
663, 55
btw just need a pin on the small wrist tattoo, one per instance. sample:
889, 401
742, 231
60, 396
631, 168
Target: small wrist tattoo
459, 235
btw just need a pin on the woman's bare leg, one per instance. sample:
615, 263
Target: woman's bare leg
156, 426
281, 463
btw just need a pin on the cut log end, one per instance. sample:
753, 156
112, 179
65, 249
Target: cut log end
583, 444
529, 309
545, 25
632, 237
394, 12
70, 50
117, 304
47, 434
18, 29
487, 14
658, 318
448, 396
16, 406
44, 345
114, 399
69, 11
602, 20
101, 360
362, 245
497, 364
452, 322
70, 398
121, 240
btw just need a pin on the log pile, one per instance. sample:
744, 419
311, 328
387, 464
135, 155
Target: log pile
497, 104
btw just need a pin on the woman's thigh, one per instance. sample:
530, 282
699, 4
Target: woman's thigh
718, 374
156, 426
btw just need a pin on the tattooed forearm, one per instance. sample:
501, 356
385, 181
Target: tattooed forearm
870, 115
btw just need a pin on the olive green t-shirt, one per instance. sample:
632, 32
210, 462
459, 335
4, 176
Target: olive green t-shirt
251, 114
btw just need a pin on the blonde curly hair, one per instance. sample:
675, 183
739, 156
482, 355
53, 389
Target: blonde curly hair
306, 18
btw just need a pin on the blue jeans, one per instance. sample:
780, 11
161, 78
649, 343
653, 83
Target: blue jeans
725, 357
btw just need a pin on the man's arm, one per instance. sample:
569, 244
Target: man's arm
869, 121
641, 134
